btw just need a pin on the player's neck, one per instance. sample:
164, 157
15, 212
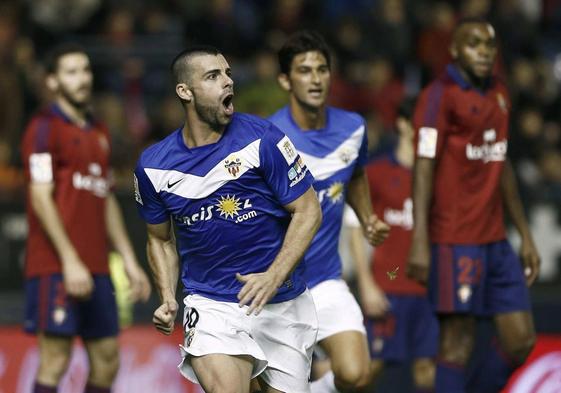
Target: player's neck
404, 153
478, 83
198, 133
77, 115
308, 118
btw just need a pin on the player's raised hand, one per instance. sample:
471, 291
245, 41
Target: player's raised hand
374, 302
164, 316
530, 260
78, 281
419, 261
139, 285
376, 230
258, 289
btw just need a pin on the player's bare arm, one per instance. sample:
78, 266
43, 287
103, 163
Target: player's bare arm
259, 288
511, 199
164, 263
139, 284
419, 255
358, 197
78, 281
372, 298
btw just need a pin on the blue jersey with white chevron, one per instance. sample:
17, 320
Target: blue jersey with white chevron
331, 154
226, 202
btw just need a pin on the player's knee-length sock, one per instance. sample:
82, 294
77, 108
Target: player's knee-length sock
38, 388
450, 378
492, 372
96, 389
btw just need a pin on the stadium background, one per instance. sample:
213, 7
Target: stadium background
385, 50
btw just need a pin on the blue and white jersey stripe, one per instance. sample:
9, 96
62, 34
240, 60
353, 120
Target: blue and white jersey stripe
332, 154
226, 202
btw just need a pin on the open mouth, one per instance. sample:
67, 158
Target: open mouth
228, 105
315, 92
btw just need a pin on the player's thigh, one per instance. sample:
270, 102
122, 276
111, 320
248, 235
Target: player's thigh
457, 336
220, 373
516, 333
54, 352
376, 368
103, 352
424, 371
348, 353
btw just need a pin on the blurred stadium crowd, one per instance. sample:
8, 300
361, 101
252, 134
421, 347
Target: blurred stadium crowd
386, 50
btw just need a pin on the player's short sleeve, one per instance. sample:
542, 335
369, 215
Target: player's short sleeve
149, 204
283, 169
39, 150
430, 121
362, 158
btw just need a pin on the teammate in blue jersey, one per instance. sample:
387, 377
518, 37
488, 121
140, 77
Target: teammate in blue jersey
333, 144
243, 222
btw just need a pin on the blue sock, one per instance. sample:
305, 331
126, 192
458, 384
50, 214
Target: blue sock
450, 378
492, 372
38, 388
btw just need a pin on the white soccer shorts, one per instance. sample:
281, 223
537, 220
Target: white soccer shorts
337, 309
280, 338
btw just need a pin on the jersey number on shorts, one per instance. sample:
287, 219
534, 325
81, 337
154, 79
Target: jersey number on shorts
192, 319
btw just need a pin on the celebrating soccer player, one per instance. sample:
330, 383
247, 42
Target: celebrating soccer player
240, 198
72, 213
462, 182
332, 142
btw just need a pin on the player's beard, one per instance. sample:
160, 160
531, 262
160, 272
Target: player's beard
79, 103
210, 114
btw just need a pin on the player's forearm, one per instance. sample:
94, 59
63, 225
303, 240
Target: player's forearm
423, 173
116, 230
512, 202
359, 257
358, 196
305, 222
45, 209
164, 264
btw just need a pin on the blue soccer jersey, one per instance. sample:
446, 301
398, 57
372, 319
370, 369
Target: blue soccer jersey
332, 154
226, 202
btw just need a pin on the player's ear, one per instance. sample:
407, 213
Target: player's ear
52, 83
284, 82
183, 92
454, 51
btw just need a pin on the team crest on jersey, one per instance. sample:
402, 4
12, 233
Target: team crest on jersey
464, 293
233, 165
345, 155
59, 315
287, 150
502, 102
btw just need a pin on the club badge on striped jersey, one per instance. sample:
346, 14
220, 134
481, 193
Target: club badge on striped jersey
233, 165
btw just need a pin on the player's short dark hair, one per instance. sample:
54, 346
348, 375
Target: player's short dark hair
180, 64
301, 42
479, 20
55, 54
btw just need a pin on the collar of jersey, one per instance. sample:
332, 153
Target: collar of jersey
180, 141
455, 74
55, 109
297, 127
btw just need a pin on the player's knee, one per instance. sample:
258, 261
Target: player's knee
456, 346
104, 365
353, 376
519, 350
52, 366
423, 374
